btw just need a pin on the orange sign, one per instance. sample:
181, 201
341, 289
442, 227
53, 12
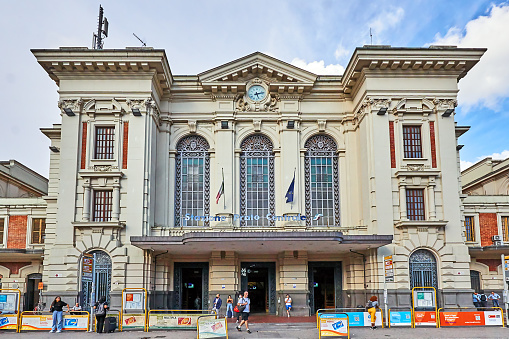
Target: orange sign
425, 318
129, 297
461, 318
40, 286
184, 321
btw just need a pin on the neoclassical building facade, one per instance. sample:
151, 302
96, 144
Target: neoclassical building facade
256, 175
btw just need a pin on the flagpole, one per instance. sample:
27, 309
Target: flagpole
224, 195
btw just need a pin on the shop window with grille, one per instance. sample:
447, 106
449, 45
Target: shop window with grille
505, 228
415, 204
102, 206
38, 229
469, 229
412, 143
1, 231
104, 142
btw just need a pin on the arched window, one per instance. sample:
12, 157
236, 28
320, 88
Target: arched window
192, 183
322, 181
102, 269
257, 180
423, 269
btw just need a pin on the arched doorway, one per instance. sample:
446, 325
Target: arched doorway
423, 269
101, 284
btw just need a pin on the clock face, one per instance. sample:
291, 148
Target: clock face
256, 93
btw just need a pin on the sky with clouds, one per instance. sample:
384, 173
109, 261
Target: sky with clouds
319, 36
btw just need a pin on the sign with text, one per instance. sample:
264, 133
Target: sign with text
44, 322
424, 298
173, 321
334, 325
506, 267
480, 318
389, 269
208, 327
133, 300
87, 267
133, 320
8, 321
8, 302
398, 318
425, 318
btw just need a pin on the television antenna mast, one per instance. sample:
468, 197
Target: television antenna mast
102, 31
142, 42
371, 36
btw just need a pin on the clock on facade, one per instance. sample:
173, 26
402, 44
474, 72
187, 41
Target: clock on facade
257, 93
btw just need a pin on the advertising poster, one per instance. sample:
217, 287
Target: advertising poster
425, 318
489, 318
401, 318
208, 327
424, 299
493, 318
333, 325
173, 321
133, 320
8, 321
44, 322
8, 303
356, 318
133, 301
367, 319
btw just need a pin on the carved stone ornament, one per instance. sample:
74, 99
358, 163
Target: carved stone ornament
256, 125
370, 104
136, 103
103, 168
443, 104
272, 104
415, 167
192, 126
241, 104
321, 125
74, 104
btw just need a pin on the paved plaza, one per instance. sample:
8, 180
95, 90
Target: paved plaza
290, 331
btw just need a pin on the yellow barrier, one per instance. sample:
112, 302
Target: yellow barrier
413, 305
16, 310
411, 316
187, 319
117, 315
469, 308
215, 317
336, 334
133, 315
41, 321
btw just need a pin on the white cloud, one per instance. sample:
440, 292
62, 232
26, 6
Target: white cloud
486, 84
386, 19
341, 52
495, 156
318, 67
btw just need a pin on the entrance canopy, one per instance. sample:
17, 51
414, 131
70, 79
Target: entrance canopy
261, 242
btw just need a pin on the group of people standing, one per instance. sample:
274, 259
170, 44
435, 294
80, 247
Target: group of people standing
480, 300
57, 309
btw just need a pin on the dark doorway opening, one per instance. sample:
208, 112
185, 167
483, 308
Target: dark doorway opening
32, 292
325, 285
475, 281
259, 279
191, 280
191, 288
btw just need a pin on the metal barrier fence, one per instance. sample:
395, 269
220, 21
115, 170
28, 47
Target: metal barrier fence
333, 325
29, 321
357, 316
175, 319
130, 302
10, 302
400, 318
109, 313
463, 317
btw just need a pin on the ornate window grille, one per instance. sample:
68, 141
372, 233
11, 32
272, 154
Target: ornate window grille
192, 186
415, 204
412, 143
322, 181
423, 269
104, 142
257, 180
469, 229
102, 271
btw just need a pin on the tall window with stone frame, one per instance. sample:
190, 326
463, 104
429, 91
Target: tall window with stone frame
104, 142
505, 228
38, 229
415, 204
2, 230
102, 205
192, 186
322, 181
257, 195
469, 228
412, 143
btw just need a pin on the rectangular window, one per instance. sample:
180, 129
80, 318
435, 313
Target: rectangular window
257, 189
415, 204
104, 142
469, 229
192, 186
412, 143
103, 203
322, 189
505, 228
2, 230
38, 229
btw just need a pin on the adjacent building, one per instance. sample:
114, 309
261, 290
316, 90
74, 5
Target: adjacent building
256, 175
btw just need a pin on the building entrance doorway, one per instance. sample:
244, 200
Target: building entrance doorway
259, 279
191, 286
32, 292
325, 285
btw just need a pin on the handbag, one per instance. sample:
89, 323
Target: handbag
236, 309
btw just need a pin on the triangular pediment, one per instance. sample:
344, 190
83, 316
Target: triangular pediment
258, 65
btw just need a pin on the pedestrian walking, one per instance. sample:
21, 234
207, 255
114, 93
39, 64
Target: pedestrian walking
483, 301
229, 307
57, 307
197, 303
244, 307
288, 304
495, 298
476, 299
100, 307
217, 304
371, 307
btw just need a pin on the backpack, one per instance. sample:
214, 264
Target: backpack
100, 309
483, 297
369, 305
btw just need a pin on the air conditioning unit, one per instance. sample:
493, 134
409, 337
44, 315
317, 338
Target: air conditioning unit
496, 238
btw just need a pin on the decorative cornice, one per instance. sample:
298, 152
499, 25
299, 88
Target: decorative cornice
74, 104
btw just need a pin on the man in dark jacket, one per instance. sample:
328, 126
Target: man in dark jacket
217, 304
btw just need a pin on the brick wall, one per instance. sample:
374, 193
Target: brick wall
433, 146
14, 266
492, 263
125, 145
17, 231
393, 146
488, 227
84, 146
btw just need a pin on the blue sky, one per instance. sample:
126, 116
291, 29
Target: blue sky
198, 35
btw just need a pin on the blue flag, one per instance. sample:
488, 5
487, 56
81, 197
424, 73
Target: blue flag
289, 193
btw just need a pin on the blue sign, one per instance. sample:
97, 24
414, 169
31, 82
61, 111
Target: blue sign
3, 298
71, 322
356, 318
401, 318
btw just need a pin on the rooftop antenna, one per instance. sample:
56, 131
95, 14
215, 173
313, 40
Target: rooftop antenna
371, 36
102, 31
142, 42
